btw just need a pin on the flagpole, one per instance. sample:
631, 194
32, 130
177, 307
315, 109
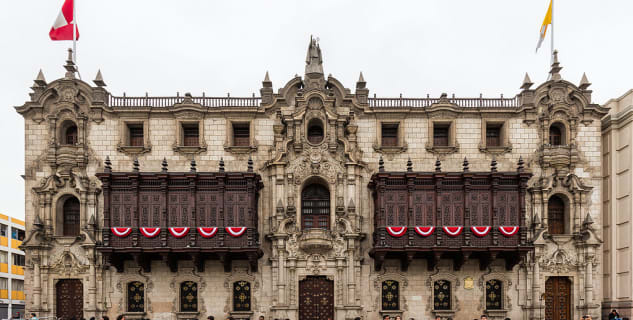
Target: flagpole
74, 34
552, 46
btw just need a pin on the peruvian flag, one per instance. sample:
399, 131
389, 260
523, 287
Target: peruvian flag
178, 232
235, 231
207, 232
397, 231
480, 231
150, 232
425, 231
453, 231
509, 231
63, 27
121, 231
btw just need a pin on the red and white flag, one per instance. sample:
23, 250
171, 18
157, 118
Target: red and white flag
63, 27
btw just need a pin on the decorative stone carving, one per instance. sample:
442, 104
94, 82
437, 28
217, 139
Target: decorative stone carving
559, 261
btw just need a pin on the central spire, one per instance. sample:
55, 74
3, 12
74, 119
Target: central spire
314, 59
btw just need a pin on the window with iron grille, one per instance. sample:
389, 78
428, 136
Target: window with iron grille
442, 295
315, 207
190, 135
188, 296
241, 134
555, 134
556, 215
494, 297
493, 135
390, 295
441, 135
71, 135
241, 296
71, 217
135, 297
389, 134
136, 135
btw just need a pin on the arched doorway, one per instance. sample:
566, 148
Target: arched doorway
316, 298
70, 299
315, 207
558, 298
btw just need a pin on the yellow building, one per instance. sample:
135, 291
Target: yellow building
11, 268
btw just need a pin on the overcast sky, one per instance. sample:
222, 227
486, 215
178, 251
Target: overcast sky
416, 47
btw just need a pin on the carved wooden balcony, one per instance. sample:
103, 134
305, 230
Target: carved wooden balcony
485, 200
139, 201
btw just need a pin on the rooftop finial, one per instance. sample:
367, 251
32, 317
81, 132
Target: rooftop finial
438, 165
409, 165
135, 165
70, 65
40, 81
465, 165
584, 82
108, 165
360, 84
381, 165
250, 164
527, 82
520, 164
192, 165
267, 77
221, 164
588, 221
314, 59
99, 79
493, 164
554, 72
164, 166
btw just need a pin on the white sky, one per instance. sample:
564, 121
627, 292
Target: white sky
415, 47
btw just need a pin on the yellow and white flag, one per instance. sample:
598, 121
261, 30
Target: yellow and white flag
546, 22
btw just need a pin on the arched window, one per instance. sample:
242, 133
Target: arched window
557, 134
494, 294
70, 213
556, 215
71, 135
315, 131
188, 296
315, 207
442, 295
135, 297
390, 295
241, 296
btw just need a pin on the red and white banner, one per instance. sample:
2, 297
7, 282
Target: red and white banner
508, 231
397, 231
150, 232
208, 232
425, 231
121, 232
63, 26
235, 231
480, 231
178, 232
453, 231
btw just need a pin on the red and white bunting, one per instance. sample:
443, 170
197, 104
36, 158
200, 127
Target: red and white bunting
397, 231
235, 231
179, 232
480, 231
508, 231
453, 231
425, 231
150, 232
121, 232
207, 232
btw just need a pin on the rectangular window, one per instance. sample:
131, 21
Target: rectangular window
135, 297
17, 234
442, 295
390, 295
190, 135
389, 134
136, 135
441, 135
188, 296
4, 257
493, 135
241, 296
18, 260
3, 230
17, 285
4, 284
494, 295
241, 134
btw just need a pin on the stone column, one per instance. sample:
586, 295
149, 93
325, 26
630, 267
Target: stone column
535, 287
589, 282
37, 286
351, 283
92, 284
281, 285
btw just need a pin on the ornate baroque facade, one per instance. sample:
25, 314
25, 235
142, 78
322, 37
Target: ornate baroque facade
323, 180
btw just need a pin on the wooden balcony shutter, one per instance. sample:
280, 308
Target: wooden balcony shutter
241, 134
390, 135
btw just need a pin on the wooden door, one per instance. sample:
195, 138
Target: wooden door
70, 299
316, 298
558, 298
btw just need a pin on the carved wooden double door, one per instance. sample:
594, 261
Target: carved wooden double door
70, 299
316, 298
558, 298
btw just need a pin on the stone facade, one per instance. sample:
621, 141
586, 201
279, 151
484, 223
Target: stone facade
617, 132
352, 129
